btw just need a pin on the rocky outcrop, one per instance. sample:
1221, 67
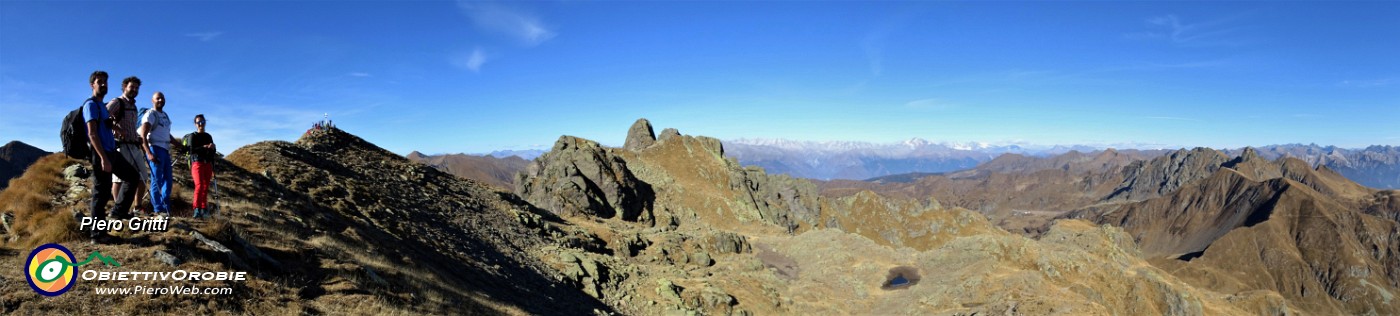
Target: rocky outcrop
640, 136
668, 133
579, 176
696, 180
778, 199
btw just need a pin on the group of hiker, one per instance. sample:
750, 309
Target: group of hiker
132, 148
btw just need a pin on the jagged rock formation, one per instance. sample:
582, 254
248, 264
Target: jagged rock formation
705, 185
1163, 175
15, 156
580, 176
640, 136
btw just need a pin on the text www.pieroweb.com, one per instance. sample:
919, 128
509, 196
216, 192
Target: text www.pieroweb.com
163, 290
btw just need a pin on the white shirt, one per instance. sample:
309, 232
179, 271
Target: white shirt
160, 128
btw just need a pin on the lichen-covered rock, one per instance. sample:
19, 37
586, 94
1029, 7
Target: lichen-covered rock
710, 299
727, 242
668, 291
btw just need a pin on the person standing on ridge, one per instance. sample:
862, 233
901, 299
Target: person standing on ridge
123, 109
104, 159
155, 142
202, 155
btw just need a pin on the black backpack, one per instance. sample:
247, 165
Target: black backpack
74, 135
189, 151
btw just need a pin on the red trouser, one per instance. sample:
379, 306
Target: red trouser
203, 173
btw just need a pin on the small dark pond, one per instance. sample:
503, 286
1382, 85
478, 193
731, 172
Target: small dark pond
901, 277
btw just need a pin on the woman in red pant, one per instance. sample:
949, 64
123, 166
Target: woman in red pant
202, 155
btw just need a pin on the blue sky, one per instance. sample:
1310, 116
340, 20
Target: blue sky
480, 76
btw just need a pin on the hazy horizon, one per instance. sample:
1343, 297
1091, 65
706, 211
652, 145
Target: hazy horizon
476, 77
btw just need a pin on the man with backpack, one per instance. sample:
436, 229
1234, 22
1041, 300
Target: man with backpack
104, 158
123, 109
155, 143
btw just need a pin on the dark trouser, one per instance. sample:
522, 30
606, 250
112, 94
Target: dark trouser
102, 186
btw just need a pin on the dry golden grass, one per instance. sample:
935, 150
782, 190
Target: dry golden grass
28, 198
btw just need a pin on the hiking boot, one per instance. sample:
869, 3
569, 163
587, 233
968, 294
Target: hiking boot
101, 237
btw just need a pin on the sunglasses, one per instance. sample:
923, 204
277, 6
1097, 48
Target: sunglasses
199, 122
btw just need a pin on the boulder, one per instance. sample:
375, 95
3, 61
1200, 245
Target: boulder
668, 291
166, 257
702, 259
640, 136
727, 242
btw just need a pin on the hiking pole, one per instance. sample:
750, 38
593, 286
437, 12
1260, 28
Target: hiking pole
213, 192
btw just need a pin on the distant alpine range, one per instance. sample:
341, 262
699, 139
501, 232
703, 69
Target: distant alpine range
1374, 166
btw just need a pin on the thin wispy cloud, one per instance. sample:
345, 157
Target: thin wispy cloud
204, 36
1166, 66
360, 74
1174, 118
1373, 83
1221, 32
517, 23
470, 61
933, 104
874, 45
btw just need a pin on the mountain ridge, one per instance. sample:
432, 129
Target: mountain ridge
16, 156
497, 171
665, 225
1376, 166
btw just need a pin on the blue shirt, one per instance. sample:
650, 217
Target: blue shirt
96, 110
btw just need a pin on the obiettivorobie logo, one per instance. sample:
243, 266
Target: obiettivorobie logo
51, 270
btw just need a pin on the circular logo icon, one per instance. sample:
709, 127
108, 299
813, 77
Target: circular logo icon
50, 270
